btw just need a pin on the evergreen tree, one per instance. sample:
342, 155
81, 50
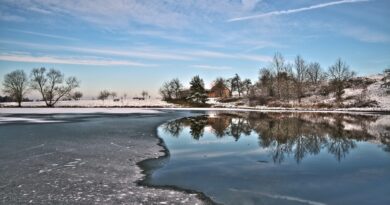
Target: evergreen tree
197, 90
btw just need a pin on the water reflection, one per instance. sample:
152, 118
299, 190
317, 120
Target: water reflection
278, 158
290, 134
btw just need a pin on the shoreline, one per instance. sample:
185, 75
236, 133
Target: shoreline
147, 170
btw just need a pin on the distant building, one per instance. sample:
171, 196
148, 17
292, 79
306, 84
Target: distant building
216, 93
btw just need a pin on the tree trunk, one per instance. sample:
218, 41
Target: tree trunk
49, 105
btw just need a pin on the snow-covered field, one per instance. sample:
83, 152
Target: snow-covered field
97, 103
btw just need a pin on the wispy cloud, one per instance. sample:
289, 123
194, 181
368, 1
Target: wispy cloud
70, 60
10, 17
149, 53
259, 58
365, 35
39, 10
143, 54
221, 55
174, 38
116, 14
44, 35
122, 13
211, 67
291, 11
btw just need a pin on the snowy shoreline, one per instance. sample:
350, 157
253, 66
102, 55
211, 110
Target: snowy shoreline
151, 110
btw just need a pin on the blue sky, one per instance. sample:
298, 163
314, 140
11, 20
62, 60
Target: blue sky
129, 46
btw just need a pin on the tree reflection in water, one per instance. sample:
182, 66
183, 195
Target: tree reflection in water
285, 134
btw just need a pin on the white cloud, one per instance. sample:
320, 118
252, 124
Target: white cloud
290, 11
70, 60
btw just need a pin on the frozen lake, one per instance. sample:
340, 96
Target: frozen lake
86, 158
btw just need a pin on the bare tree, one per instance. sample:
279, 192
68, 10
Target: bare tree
103, 95
266, 79
246, 84
230, 85
300, 76
386, 77
16, 85
171, 89
279, 66
52, 85
339, 74
287, 82
145, 94
113, 95
237, 84
219, 86
176, 87
165, 91
315, 74
77, 95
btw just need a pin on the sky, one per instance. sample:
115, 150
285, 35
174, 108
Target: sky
130, 45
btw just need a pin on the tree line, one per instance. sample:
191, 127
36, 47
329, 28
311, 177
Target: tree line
285, 81
197, 93
51, 84
279, 80
105, 94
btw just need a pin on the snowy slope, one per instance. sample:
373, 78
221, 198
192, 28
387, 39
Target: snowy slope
375, 92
